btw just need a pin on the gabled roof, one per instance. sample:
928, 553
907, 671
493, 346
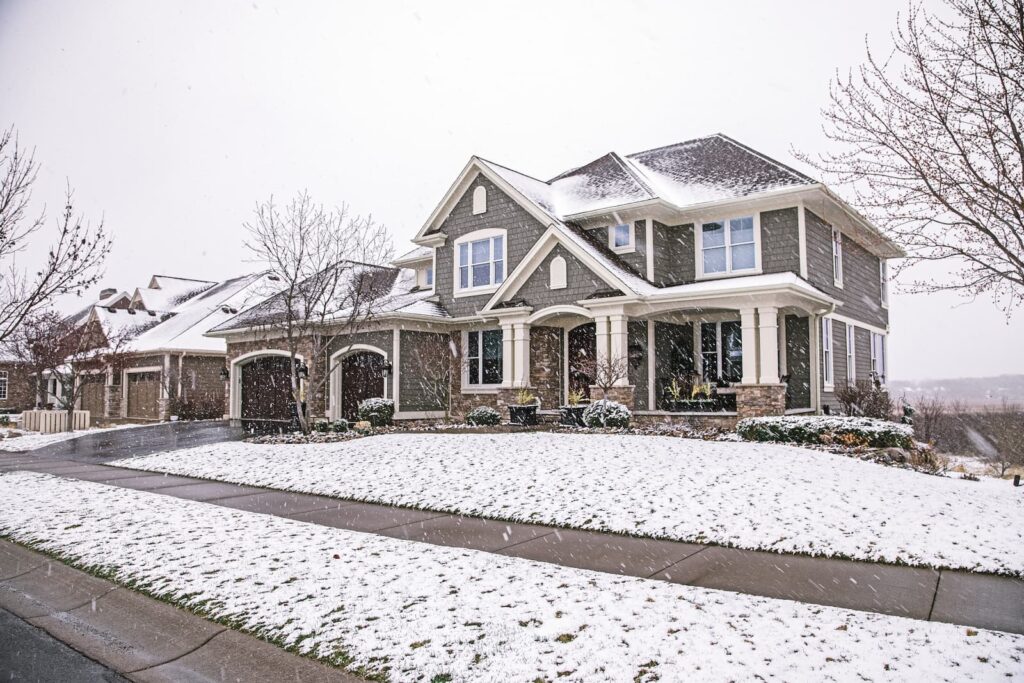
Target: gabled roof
165, 292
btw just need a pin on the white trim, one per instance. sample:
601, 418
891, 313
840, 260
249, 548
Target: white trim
396, 354
538, 252
630, 246
851, 353
469, 388
487, 234
124, 384
336, 380
801, 227
652, 398
813, 334
846, 320
828, 378
883, 281
649, 245
837, 256
4, 381
783, 360
698, 243
559, 309
420, 415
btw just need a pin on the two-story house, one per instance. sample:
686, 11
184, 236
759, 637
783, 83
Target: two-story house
703, 261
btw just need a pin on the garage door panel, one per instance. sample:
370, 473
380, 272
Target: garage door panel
266, 389
144, 395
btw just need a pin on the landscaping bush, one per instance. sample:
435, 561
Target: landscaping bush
321, 426
339, 426
867, 398
844, 431
605, 413
483, 416
377, 411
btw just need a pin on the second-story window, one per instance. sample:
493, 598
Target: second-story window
837, 257
883, 276
481, 262
620, 237
826, 353
728, 246
429, 276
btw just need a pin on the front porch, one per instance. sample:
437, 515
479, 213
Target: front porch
715, 361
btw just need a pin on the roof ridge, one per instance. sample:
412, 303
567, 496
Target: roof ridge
761, 155
635, 173
509, 168
188, 279
674, 144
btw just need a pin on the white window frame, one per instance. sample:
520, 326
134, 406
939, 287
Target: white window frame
728, 272
883, 277
479, 200
851, 354
879, 356
627, 248
827, 353
719, 350
3, 385
466, 384
469, 238
837, 258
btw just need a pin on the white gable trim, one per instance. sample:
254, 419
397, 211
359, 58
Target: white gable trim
540, 250
462, 183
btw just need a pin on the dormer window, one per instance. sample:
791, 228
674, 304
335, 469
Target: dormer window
428, 276
480, 261
479, 200
620, 238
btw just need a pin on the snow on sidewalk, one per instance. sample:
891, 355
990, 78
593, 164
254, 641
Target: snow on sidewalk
746, 495
418, 611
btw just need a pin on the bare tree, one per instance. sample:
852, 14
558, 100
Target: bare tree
929, 416
73, 261
608, 372
325, 264
930, 142
435, 365
1004, 429
70, 353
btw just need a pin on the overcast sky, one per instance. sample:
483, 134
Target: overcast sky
172, 119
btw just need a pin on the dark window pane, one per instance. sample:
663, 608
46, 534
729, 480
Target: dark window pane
464, 277
474, 345
481, 251
713, 235
492, 354
732, 350
481, 274
707, 337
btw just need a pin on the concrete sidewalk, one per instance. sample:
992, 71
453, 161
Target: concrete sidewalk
970, 599
128, 633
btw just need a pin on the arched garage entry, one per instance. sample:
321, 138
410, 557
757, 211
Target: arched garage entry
360, 372
261, 389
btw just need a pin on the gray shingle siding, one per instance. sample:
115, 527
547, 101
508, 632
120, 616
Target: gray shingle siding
780, 241
580, 281
416, 391
861, 293
502, 212
673, 254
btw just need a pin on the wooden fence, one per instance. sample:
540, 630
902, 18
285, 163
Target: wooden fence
53, 421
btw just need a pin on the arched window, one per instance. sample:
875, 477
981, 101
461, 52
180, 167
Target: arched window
479, 200
557, 273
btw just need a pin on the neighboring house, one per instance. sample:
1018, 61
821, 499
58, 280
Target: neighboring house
17, 387
166, 362
703, 261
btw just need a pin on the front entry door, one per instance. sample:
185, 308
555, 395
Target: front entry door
362, 377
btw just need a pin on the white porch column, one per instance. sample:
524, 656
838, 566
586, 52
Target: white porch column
601, 325
748, 339
768, 337
619, 345
521, 354
507, 355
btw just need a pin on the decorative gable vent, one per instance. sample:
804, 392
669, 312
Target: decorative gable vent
557, 273
479, 200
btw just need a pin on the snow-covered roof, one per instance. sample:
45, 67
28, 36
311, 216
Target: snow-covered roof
123, 323
712, 168
416, 255
165, 292
184, 327
386, 291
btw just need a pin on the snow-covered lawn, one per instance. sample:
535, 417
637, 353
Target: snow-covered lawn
418, 611
30, 441
748, 495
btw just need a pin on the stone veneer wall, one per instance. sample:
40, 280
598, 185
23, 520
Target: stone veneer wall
623, 395
758, 400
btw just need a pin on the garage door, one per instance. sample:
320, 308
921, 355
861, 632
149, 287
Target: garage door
144, 395
266, 389
92, 395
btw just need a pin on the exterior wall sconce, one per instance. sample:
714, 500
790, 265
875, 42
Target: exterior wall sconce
388, 368
303, 371
225, 374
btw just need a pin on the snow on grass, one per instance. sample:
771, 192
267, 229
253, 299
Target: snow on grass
18, 440
747, 495
417, 611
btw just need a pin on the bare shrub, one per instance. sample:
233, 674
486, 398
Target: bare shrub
866, 398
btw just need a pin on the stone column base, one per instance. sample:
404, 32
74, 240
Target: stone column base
624, 395
759, 400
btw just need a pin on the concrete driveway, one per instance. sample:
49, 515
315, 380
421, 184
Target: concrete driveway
120, 443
